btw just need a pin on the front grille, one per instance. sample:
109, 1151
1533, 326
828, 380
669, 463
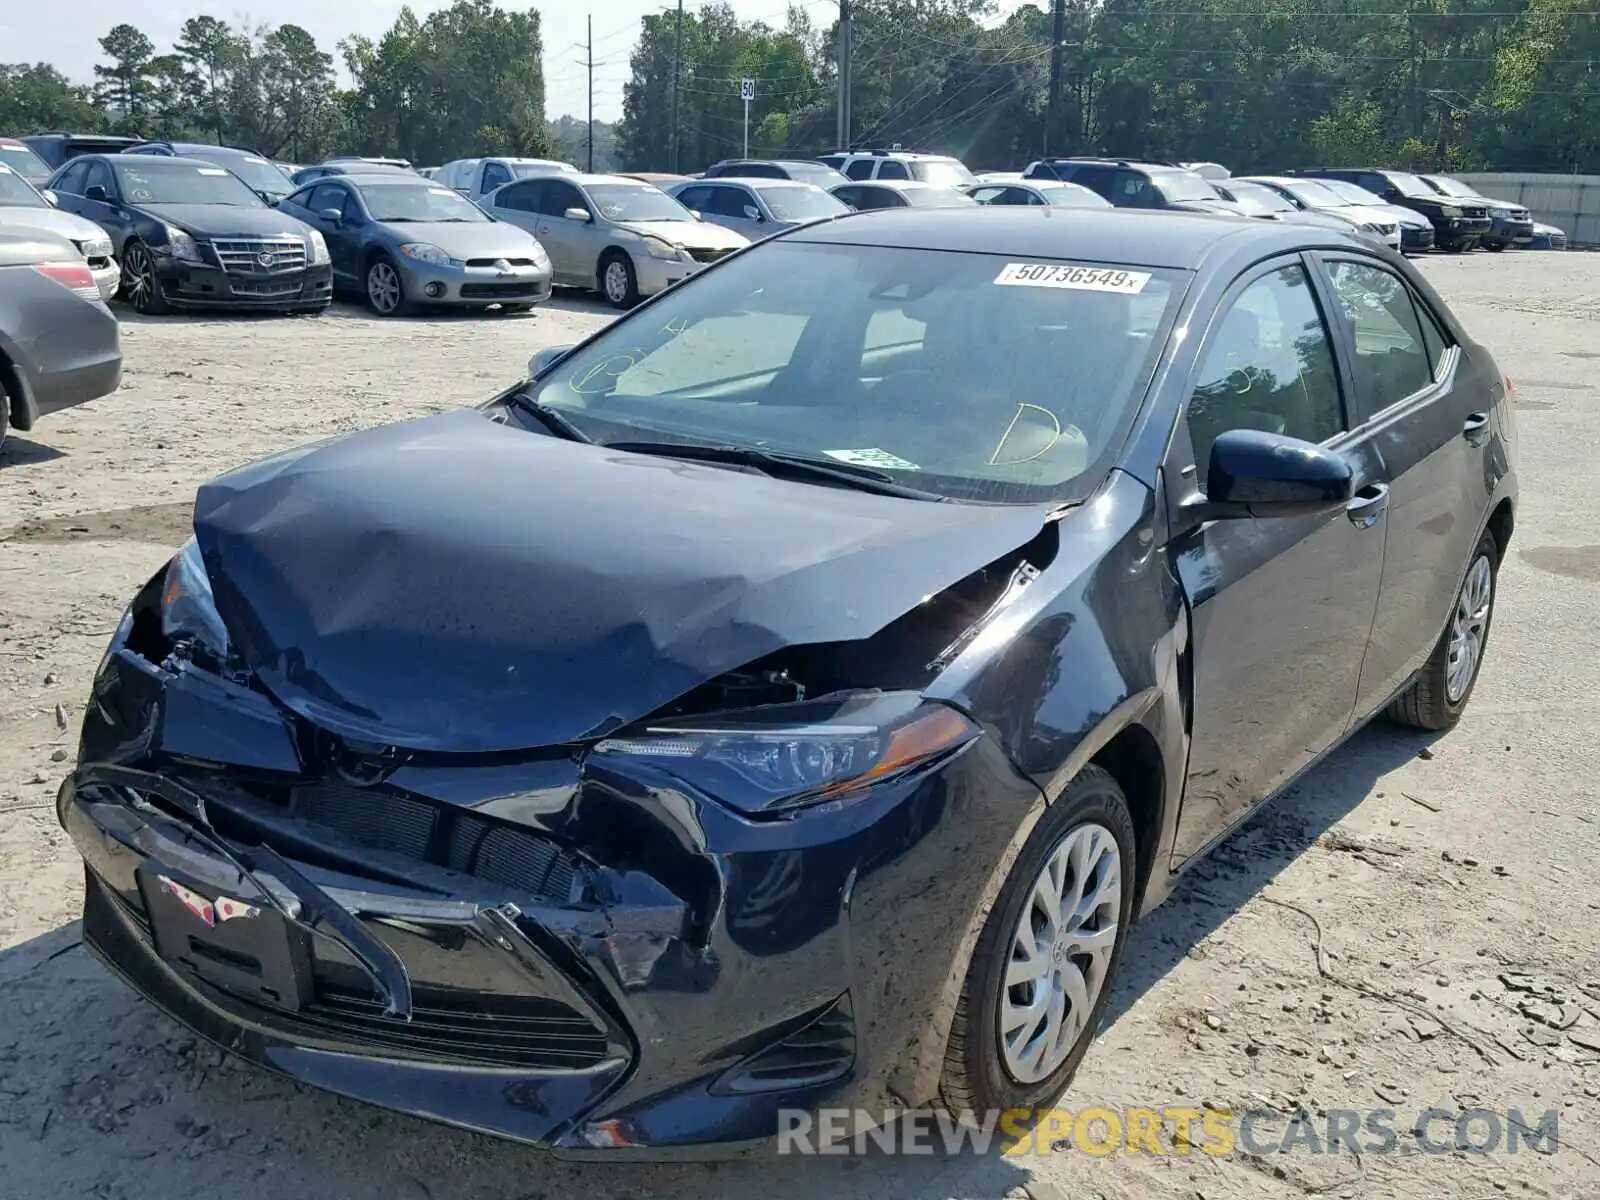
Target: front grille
489, 262
1474, 211
441, 834
242, 256
264, 289
497, 291
706, 254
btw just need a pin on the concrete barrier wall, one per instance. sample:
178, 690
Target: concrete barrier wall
1570, 202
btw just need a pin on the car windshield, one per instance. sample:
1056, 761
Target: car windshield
1184, 185
146, 180
419, 201
971, 375
1071, 196
1354, 193
258, 173
17, 192
820, 174
25, 163
635, 202
1315, 194
945, 172
1257, 198
1410, 185
1450, 187
801, 202
937, 197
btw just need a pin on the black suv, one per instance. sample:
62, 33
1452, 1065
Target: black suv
1458, 225
56, 148
1130, 184
1510, 224
258, 173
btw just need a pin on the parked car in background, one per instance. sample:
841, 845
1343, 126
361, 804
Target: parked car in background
190, 234
1458, 225
1510, 224
370, 161
799, 170
1547, 237
1041, 192
19, 156
1416, 231
347, 167
56, 148
1208, 170
260, 175
620, 237
756, 208
1130, 184
407, 242
427, 172
794, 694
939, 169
59, 344
1258, 200
1313, 196
24, 207
660, 179
867, 196
475, 178
999, 177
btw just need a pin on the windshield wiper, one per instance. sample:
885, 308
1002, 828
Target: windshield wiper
552, 419
778, 463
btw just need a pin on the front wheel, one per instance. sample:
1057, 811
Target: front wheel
140, 286
1041, 975
386, 294
1440, 692
1494, 247
619, 283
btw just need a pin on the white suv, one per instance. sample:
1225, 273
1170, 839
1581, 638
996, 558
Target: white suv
938, 169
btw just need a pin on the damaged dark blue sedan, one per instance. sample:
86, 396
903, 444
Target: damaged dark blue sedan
790, 696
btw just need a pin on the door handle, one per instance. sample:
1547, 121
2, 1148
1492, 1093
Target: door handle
1475, 428
1368, 506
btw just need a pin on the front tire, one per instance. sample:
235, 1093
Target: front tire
386, 294
1439, 694
1041, 975
619, 282
1494, 247
140, 286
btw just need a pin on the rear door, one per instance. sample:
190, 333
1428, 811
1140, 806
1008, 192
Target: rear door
1280, 609
1427, 412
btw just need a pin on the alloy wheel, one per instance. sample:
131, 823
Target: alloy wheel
138, 278
616, 281
1060, 954
1467, 629
383, 288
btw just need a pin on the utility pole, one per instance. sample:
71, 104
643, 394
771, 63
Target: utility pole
844, 74
591, 93
1052, 112
677, 76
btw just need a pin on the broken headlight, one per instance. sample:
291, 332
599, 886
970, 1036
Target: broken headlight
783, 756
188, 610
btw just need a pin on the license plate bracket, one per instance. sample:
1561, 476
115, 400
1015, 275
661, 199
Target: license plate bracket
238, 946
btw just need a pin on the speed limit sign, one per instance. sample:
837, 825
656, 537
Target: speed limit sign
747, 89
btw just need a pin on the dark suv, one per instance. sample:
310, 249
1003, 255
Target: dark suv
1510, 224
56, 148
1129, 184
1458, 224
259, 175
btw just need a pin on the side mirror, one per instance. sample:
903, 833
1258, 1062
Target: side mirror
1257, 474
545, 359
577, 214
95, 192
752, 213
50, 198
332, 215
695, 213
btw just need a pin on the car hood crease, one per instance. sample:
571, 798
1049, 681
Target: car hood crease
226, 220
456, 584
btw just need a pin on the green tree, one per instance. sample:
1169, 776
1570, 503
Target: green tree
210, 51
124, 86
37, 96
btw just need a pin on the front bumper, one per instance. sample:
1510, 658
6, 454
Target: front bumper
1416, 237
1509, 231
658, 274
186, 284
107, 278
1453, 231
669, 979
428, 283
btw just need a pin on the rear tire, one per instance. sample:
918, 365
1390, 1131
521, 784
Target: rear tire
1439, 694
5, 413
1084, 840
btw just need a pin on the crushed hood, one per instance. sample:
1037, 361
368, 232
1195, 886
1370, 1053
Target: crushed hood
456, 584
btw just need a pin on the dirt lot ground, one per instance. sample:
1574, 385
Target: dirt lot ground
1413, 927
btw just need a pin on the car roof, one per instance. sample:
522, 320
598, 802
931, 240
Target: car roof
760, 181
165, 160
1137, 237
389, 177
902, 185
584, 179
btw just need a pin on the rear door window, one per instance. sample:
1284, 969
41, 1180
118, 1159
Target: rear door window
861, 168
1391, 359
893, 169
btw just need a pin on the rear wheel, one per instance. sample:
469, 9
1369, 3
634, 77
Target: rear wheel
1440, 692
140, 287
5, 413
1041, 975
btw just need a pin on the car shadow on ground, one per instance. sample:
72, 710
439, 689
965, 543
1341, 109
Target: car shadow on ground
18, 451
98, 1089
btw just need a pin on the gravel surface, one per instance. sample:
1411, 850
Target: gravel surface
1413, 926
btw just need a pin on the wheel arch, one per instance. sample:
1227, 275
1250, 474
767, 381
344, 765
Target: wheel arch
21, 410
1502, 521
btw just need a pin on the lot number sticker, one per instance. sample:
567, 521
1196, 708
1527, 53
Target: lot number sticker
873, 457
1064, 275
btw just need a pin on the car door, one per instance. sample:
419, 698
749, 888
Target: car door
102, 203
1428, 415
328, 209
730, 205
573, 246
1280, 609
892, 168
860, 168
1099, 180
68, 187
